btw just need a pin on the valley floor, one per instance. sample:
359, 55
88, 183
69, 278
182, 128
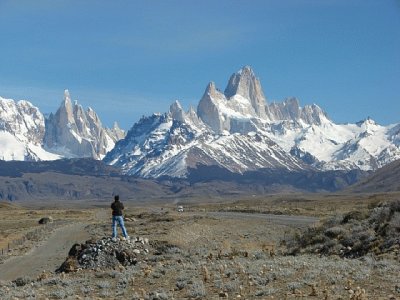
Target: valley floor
221, 250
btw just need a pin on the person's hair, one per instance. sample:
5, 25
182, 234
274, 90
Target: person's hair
116, 197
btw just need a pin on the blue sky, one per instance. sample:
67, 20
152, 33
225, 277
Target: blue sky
126, 59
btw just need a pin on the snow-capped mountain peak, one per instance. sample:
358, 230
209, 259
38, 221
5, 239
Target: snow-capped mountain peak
177, 112
244, 83
72, 132
239, 131
22, 128
25, 134
235, 130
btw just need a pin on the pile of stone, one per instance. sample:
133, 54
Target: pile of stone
106, 253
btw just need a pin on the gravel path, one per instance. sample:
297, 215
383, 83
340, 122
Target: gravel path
49, 255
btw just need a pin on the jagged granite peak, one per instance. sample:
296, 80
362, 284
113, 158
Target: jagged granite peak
72, 132
313, 114
209, 110
226, 115
229, 131
66, 110
239, 109
246, 84
67, 96
116, 133
290, 109
194, 118
177, 112
190, 117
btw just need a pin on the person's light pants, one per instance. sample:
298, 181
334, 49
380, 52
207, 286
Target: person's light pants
120, 221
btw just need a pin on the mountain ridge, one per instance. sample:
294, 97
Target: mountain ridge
25, 134
238, 130
89, 179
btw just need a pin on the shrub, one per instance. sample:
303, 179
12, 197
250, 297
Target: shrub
354, 215
104, 284
376, 231
197, 290
395, 206
231, 286
180, 284
58, 294
159, 295
380, 215
335, 231
267, 292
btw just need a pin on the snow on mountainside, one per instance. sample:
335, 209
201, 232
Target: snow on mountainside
22, 129
72, 132
237, 130
162, 146
26, 135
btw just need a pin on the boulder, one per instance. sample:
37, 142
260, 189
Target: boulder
46, 220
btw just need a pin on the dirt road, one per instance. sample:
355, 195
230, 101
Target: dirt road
52, 252
49, 255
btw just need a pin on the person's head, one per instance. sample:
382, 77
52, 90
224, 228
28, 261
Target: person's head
116, 197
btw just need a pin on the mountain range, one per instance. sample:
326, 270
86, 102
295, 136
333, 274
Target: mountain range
239, 131
232, 133
26, 135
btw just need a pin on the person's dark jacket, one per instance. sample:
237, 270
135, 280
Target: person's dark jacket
117, 208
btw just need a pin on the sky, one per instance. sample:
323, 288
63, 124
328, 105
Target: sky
126, 59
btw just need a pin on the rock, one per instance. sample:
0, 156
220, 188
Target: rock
46, 220
69, 265
74, 250
103, 254
44, 275
3, 283
223, 295
21, 281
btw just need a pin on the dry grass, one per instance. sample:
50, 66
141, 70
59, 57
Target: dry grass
201, 257
17, 222
318, 205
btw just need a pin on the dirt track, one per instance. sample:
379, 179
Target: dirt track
52, 252
49, 255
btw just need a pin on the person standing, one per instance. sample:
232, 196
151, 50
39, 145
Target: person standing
117, 217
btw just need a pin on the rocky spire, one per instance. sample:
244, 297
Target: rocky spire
290, 109
72, 132
177, 112
118, 133
208, 111
65, 112
247, 85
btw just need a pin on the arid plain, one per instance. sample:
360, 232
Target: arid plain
217, 248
